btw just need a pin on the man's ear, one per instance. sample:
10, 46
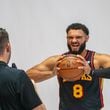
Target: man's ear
8, 47
87, 38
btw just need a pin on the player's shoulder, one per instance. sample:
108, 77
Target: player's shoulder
53, 58
101, 55
102, 58
50, 60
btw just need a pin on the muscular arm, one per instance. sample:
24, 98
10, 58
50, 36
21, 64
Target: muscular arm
44, 70
102, 65
39, 75
102, 61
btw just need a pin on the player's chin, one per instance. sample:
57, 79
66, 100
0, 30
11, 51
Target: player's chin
75, 51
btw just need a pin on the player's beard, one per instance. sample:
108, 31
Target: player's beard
82, 47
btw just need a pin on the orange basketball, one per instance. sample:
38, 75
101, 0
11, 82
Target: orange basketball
69, 68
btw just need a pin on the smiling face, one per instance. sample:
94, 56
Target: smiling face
76, 41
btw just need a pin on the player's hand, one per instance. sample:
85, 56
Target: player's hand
85, 67
56, 68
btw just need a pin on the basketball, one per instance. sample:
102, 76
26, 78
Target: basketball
69, 68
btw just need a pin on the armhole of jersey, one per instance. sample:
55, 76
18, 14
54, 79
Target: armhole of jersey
92, 60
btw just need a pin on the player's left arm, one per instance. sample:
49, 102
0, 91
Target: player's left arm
104, 60
103, 65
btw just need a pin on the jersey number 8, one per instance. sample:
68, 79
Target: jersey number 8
78, 91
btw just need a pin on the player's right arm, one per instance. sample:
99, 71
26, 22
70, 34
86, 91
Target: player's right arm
44, 70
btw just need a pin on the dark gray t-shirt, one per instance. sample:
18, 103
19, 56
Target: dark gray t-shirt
16, 90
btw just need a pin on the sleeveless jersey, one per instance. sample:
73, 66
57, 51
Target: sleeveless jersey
84, 94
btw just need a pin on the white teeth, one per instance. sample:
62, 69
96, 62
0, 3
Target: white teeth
75, 45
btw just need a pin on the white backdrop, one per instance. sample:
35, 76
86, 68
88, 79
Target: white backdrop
37, 31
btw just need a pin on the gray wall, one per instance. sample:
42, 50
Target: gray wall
37, 31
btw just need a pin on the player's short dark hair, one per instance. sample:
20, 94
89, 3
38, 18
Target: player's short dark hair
78, 26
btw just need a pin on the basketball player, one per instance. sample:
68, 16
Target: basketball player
16, 89
83, 94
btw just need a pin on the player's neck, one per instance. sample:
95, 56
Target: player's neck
84, 53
